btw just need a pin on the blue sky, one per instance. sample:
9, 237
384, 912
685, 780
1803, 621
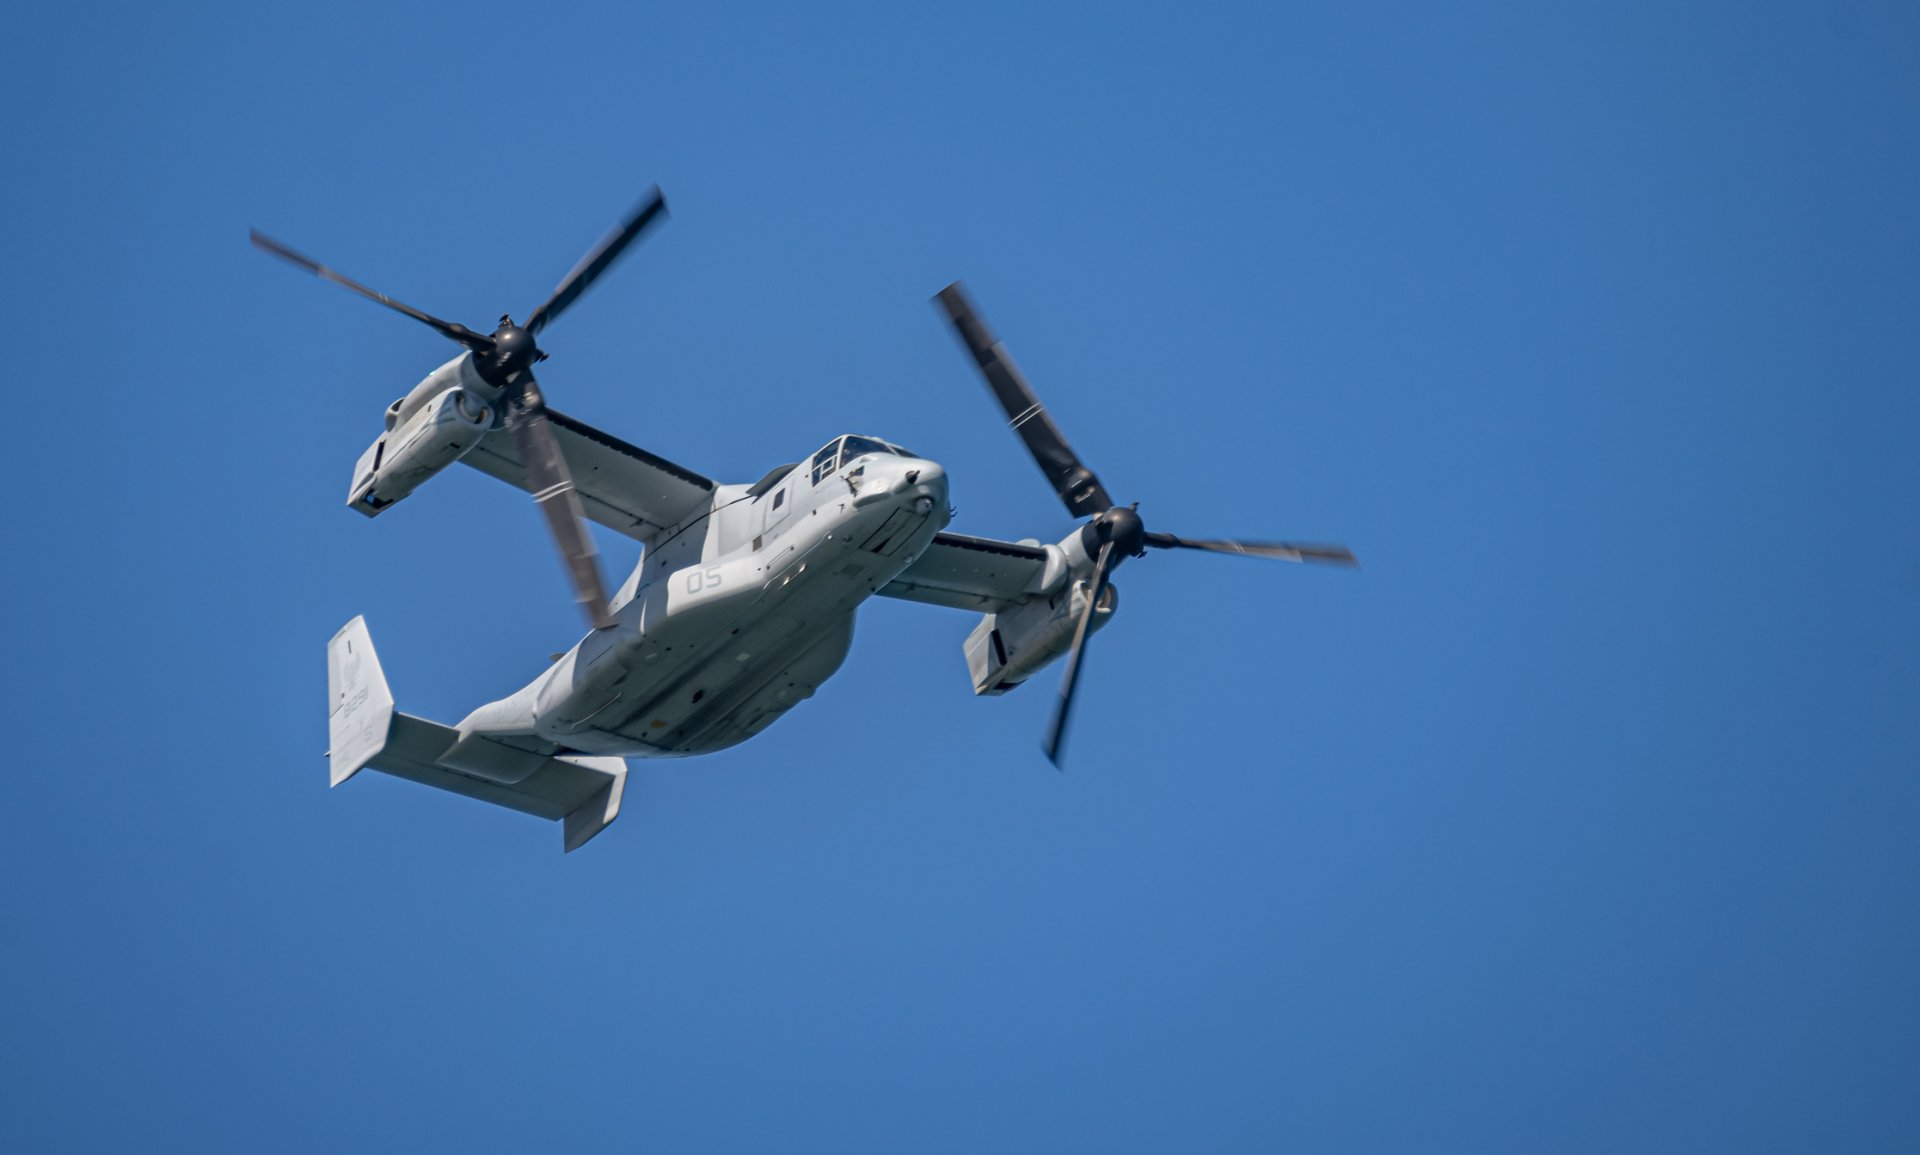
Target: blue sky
1582, 819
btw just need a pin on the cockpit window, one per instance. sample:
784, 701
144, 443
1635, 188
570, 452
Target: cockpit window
823, 460
853, 447
842, 451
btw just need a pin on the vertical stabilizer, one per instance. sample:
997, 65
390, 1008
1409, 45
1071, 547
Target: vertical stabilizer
359, 705
581, 791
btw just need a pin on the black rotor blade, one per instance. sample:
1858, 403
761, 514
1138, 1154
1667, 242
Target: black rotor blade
597, 260
552, 486
1069, 476
449, 329
1278, 550
1057, 730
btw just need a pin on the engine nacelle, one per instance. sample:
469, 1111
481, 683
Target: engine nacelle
1010, 646
433, 436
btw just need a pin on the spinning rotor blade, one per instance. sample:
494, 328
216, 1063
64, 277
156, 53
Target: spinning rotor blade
1057, 730
1117, 530
1278, 550
552, 486
503, 359
449, 329
1070, 478
597, 260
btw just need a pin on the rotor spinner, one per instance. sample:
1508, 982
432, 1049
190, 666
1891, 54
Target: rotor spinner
514, 349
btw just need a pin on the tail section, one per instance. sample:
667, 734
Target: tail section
359, 703
581, 791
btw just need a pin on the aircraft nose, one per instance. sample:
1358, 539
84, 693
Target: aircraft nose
924, 478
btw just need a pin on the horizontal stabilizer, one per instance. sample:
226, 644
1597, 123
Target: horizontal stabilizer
582, 791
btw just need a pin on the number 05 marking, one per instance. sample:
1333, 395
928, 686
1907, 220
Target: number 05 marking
698, 580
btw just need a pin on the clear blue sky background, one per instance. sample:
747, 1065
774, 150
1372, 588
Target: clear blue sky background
1583, 819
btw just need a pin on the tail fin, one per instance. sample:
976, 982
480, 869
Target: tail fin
582, 791
359, 703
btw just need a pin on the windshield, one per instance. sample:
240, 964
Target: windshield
854, 447
842, 451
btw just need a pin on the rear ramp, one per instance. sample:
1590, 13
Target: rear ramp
580, 791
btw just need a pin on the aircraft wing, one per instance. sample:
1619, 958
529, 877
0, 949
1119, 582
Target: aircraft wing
621, 486
971, 573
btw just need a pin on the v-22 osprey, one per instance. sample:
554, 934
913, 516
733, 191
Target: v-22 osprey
743, 601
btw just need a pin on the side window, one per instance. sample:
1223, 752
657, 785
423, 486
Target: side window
776, 516
823, 462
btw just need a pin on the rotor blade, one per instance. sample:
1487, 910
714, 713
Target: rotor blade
552, 486
597, 260
1279, 550
1069, 476
448, 329
1057, 730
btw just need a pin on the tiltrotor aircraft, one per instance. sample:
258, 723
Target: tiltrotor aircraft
743, 601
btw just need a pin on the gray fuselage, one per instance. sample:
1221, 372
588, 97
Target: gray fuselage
736, 615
